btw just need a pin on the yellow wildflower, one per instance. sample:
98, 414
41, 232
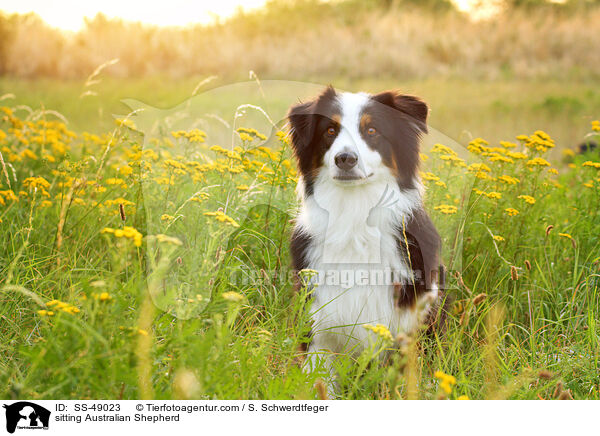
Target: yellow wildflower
446, 209
446, 381
453, 159
380, 330
62, 306
36, 182
498, 238
511, 212
479, 167
126, 170
439, 148
538, 161
527, 198
596, 126
496, 157
516, 155
234, 297
221, 217
127, 232
508, 179
255, 133
429, 176
246, 137
27, 153
125, 122
591, 164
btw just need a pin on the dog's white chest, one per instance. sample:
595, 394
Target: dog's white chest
354, 248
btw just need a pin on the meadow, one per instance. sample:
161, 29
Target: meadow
155, 264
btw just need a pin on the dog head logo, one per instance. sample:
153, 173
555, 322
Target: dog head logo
26, 415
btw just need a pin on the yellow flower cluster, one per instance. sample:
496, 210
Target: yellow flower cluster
232, 154
37, 183
508, 179
440, 148
194, 135
591, 164
127, 232
527, 199
538, 161
596, 125
429, 177
250, 134
446, 209
200, 197
232, 296
103, 296
221, 217
8, 195
511, 212
492, 195
476, 167
61, 305
539, 141
446, 381
507, 144
380, 330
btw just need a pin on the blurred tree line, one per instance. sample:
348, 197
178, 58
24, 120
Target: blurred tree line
273, 40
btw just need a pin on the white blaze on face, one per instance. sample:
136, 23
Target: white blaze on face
349, 138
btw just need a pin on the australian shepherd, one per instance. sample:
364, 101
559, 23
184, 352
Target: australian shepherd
362, 226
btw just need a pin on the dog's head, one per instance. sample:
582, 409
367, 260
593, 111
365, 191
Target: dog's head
354, 139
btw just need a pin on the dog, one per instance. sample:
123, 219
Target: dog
361, 224
588, 146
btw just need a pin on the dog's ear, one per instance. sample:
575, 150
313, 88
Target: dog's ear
302, 118
411, 106
302, 124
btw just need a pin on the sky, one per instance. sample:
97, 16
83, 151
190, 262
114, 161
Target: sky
69, 14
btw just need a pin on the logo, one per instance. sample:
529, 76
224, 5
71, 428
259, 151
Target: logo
26, 415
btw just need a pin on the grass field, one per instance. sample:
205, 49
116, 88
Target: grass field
460, 109
157, 267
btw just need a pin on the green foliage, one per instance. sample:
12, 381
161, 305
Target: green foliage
77, 283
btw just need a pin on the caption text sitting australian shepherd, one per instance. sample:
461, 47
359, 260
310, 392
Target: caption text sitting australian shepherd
362, 225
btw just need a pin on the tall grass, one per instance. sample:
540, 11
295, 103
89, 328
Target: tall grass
318, 40
171, 278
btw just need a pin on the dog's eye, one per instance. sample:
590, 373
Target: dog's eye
331, 131
371, 131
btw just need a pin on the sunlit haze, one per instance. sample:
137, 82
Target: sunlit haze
69, 14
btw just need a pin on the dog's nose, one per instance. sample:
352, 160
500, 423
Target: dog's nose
346, 160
